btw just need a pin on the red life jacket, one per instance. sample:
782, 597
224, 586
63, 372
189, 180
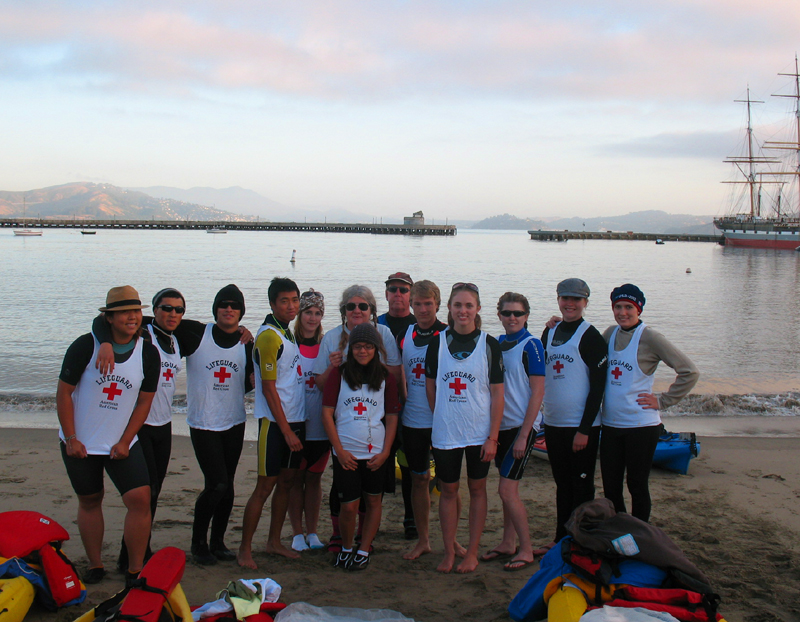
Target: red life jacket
23, 533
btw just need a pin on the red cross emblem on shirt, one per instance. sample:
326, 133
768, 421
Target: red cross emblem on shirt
168, 375
360, 408
558, 366
311, 382
418, 371
112, 391
222, 375
616, 373
457, 386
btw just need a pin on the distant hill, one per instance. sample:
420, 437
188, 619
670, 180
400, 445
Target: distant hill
234, 199
649, 221
243, 201
508, 222
102, 202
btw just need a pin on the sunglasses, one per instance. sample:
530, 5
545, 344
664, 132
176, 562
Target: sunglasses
358, 347
170, 309
351, 306
393, 289
311, 295
236, 306
507, 313
471, 286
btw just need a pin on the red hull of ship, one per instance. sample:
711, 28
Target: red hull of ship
788, 245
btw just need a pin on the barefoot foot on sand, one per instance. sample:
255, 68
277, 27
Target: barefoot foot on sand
447, 563
279, 549
469, 564
418, 551
245, 560
460, 550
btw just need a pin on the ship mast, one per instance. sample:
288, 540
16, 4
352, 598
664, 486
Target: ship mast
746, 164
795, 145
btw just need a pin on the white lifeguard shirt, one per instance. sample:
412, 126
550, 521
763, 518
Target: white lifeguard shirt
462, 412
517, 387
288, 382
215, 380
103, 403
358, 416
161, 410
315, 431
566, 381
624, 382
416, 411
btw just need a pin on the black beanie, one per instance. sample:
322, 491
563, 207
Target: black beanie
229, 292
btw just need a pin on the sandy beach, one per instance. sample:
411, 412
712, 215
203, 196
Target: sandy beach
736, 515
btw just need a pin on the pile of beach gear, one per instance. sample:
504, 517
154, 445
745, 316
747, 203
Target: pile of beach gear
33, 566
613, 566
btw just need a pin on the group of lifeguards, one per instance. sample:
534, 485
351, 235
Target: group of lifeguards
369, 386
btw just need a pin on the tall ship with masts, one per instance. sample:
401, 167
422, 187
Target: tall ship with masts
765, 209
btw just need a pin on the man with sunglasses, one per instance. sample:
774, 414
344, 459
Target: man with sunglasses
398, 319
398, 295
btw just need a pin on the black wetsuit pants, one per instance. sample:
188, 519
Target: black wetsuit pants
218, 456
573, 472
631, 450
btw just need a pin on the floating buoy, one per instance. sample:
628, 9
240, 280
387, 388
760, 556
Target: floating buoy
688, 270
293, 253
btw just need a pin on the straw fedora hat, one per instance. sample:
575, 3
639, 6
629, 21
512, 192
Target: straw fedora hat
124, 298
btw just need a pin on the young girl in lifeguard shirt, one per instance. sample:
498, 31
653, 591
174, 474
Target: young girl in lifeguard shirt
358, 396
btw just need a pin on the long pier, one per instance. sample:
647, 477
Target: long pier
564, 235
204, 225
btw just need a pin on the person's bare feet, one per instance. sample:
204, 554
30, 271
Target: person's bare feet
469, 564
279, 549
245, 559
460, 550
418, 551
447, 563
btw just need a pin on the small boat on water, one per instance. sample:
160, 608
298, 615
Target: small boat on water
216, 230
674, 452
26, 232
88, 232
659, 241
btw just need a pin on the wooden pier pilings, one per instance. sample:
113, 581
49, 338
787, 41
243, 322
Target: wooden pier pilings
564, 235
195, 225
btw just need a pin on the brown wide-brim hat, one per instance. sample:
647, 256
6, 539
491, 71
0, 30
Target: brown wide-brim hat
124, 298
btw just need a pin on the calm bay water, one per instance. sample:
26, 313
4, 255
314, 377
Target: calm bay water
736, 315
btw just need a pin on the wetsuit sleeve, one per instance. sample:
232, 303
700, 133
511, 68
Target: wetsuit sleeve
495, 356
189, 334
533, 357
331, 393
432, 357
76, 359
390, 343
545, 332
391, 398
101, 329
151, 363
266, 353
653, 347
248, 368
594, 352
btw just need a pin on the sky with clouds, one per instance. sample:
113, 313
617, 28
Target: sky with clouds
461, 108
